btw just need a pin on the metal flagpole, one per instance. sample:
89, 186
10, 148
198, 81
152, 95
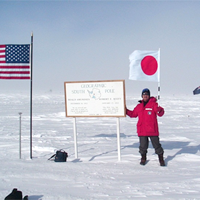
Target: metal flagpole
20, 136
31, 92
158, 76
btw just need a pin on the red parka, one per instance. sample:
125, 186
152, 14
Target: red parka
147, 123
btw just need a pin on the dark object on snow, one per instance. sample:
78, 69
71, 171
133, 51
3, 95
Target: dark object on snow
143, 159
161, 160
60, 156
197, 90
15, 195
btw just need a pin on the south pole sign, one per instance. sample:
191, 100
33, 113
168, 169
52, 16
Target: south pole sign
95, 99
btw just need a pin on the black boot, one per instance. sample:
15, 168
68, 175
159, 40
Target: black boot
143, 159
161, 160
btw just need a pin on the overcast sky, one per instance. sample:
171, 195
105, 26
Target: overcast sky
92, 40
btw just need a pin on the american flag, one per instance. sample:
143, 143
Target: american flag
15, 61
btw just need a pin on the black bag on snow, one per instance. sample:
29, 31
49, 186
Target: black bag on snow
60, 156
15, 194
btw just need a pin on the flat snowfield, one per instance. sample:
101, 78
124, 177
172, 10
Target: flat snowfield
97, 173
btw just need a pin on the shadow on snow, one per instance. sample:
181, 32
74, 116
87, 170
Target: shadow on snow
170, 145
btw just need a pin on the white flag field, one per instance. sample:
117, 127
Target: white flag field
145, 65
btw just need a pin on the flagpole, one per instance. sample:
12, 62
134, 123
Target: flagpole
158, 75
31, 92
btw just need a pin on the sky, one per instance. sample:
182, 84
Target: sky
92, 40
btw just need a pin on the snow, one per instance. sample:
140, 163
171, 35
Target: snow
97, 173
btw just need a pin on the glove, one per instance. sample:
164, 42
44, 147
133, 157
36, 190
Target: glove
159, 109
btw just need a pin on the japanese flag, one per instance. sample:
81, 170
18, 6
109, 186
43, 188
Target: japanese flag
144, 65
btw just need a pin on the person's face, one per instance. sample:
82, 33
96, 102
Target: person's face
145, 97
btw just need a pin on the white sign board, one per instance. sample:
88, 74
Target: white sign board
95, 98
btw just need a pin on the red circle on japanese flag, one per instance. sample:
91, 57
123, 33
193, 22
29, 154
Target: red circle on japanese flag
149, 65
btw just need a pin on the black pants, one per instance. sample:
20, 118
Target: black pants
144, 144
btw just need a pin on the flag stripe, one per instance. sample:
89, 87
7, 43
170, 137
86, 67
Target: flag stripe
14, 67
14, 77
14, 72
15, 61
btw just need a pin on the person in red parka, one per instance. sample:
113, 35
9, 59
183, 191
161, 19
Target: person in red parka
147, 126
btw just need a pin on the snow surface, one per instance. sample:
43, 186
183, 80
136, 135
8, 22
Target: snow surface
97, 173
